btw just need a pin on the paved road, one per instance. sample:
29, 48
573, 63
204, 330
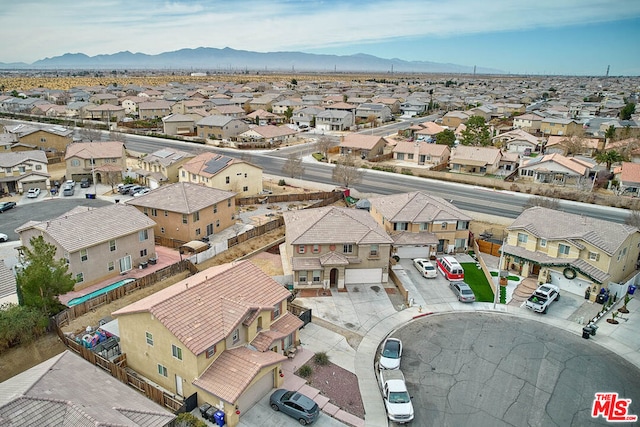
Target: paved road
496, 370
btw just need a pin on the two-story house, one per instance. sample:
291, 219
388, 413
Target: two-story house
220, 333
334, 120
475, 160
184, 211
154, 109
554, 126
529, 122
420, 224
95, 160
220, 127
123, 240
574, 252
51, 138
22, 170
518, 141
226, 173
381, 112
162, 166
179, 124
334, 247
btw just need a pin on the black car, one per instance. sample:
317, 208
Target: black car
85, 183
5, 206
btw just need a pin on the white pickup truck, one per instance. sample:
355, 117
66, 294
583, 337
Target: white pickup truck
542, 297
396, 397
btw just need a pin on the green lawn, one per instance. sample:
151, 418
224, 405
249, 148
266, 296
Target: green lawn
474, 277
512, 278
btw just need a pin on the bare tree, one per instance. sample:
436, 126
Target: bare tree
372, 120
544, 202
346, 173
112, 178
293, 166
90, 132
323, 145
633, 219
574, 142
114, 135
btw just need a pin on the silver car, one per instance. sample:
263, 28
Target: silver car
463, 291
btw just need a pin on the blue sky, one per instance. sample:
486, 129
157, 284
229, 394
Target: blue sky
542, 37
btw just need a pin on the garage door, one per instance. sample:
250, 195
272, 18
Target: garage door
362, 275
257, 391
26, 186
413, 252
575, 286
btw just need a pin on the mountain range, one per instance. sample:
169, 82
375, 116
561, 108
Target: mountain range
227, 59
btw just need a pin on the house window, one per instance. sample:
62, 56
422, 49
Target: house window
166, 213
522, 238
594, 256
563, 249
316, 275
75, 163
217, 223
162, 370
373, 251
245, 175
463, 225
112, 245
79, 278
302, 276
301, 249
149, 338
444, 225
184, 219
111, 266
66, 257
154, 212
400, 226
229, 203
400, 156
176, 351
211, 351
21, 169
409, 156
316, 249
347, 248
84, 255
236, 335
143, 252
276, 311
38, 167
145, 211
196, 216
226, 179
245, 188
184, 174
543, 243
197, 231
143, 235
215, 208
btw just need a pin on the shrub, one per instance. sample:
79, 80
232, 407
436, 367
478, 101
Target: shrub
305, 371
281, 183
185, 419
321, 358
20, 325
406, 171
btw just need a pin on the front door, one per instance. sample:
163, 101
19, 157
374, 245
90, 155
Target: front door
333, 277
125, 264
209, 229
178, 385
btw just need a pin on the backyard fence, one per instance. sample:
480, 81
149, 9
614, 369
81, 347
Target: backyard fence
280, 198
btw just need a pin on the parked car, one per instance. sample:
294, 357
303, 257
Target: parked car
397, 399
391, 354
4, 237
70, 182
296, 405
124, 189
5, 206
33, 193
425, 267
542, 298
134, 189
463, 291
85, 183
68, 190
141, 192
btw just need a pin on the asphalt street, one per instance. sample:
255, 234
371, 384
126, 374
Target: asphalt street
480, 369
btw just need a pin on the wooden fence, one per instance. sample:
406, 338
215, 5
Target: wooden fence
280, 198
256, 231
168, 242
490, 248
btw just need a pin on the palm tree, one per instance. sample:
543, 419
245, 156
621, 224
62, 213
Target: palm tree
609, 157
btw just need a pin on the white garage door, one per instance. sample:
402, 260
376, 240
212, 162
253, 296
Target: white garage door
575, 286
413, 252
362, 275
256, 392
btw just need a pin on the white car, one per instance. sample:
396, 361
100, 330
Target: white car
425, 267
4, 237
141, 192
33, 193
390, 354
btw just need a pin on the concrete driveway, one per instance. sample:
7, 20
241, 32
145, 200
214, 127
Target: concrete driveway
496, 370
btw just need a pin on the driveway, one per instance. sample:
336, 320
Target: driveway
496, 370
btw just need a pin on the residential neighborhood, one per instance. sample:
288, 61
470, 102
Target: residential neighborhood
218, 280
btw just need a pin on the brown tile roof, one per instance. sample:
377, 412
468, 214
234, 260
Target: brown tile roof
576, 165
270, 131
416, 207
287, 324
84, 227
205, 308
430, 128
469, 154
360, 141
182, 197
199, 164
333, 225
423, 148
232, 372
630, 172
95, 150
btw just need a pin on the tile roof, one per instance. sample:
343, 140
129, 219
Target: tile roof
77, 228
556, 225
205, 308
360, 141
12, 158
571, 163
630, 172
471, 153
7, 280
167, 156
287, 324
232, 372
423, 148
181, 197
333, 225
215, 120
430, 128
416, 207
201, 165
95, 150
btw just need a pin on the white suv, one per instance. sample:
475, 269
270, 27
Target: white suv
33, 193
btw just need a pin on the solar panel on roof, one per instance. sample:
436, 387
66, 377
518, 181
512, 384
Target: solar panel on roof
163, 153
216, 164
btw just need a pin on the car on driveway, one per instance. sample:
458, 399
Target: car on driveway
141, 192
391, 354
296, 405
133, 190
4, 237
463, 291
33, 193
85, 183
5, 206
425, 267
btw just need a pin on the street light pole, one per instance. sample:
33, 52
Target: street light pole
495, 296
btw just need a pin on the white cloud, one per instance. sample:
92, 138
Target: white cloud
48, 28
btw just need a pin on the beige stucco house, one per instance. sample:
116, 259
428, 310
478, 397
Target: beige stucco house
221, 333
184, 211
84, 159
575, 252
23, 170
123, 239
363, 146
421, 153
334, 247
51, 138
162, 166
475, 160
555, 169
420, 224
220, 127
